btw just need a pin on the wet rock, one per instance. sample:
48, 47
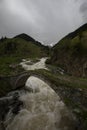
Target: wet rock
2, 126
4, 108
10, 103
16, 107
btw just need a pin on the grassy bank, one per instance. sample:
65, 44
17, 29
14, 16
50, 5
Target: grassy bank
9, 65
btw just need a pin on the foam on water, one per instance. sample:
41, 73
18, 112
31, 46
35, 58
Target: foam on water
37, 65
42, 110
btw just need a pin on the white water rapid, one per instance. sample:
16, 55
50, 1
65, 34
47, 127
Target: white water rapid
42, 109
38, 65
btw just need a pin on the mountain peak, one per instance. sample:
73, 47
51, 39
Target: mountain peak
25, 37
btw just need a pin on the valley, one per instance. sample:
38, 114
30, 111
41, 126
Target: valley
61, 67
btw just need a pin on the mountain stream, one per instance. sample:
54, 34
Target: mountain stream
41, 109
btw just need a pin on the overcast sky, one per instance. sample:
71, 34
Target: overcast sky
45, 20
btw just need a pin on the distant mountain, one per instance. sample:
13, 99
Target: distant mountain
22, 45
70, 53
25, 37
28, 38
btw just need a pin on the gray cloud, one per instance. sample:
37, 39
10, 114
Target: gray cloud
83, 9
45, 20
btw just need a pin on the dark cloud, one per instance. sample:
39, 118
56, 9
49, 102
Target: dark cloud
45, 20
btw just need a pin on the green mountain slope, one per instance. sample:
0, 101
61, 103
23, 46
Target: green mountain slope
22, 45
70, 53
12, 50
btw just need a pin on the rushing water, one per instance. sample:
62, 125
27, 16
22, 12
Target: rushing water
37, 107
38, 65
42, 109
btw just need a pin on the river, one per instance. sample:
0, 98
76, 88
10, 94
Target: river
42, 108
38, 65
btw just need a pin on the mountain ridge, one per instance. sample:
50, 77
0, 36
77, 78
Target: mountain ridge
25, 37
70, 53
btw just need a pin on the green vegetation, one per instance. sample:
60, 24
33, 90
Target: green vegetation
13, 50
10, 65
20, 47
71, 53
